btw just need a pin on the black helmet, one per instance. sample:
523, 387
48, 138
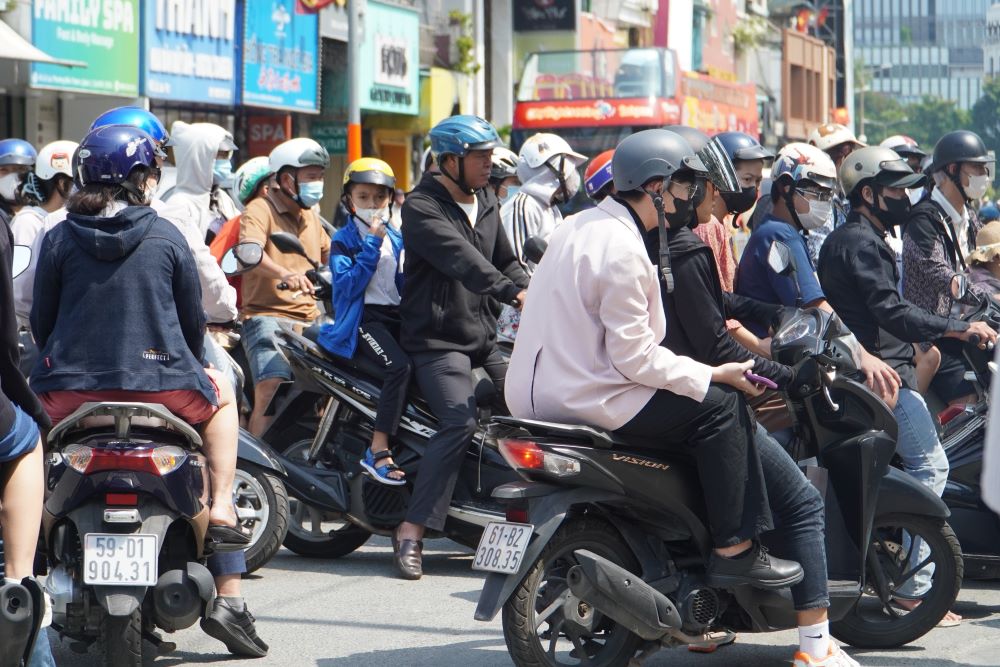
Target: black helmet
649, 154
959, 146
741, 146
696, 138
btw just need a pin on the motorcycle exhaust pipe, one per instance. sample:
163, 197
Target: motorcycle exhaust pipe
21, 607
326, 489
180, 596
622, 596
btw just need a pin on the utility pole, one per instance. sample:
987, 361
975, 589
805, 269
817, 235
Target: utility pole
353, 67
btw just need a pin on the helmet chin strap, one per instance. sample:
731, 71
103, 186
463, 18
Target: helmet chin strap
789, 199
661, 222
956, 178
460, 181
561, 177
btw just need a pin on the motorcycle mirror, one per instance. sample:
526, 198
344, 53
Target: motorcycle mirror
21, 260
779, 258
288, 244
534, 248
241, 258
959, 287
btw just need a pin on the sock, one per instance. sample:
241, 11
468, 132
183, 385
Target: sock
814, 640
236, 604
8, 580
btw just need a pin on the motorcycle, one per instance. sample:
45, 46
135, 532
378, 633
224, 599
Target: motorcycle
323, 424
603, 550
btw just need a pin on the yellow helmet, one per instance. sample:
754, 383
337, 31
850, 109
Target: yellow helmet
370, 170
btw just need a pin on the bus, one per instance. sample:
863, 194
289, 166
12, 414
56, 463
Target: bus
595, 98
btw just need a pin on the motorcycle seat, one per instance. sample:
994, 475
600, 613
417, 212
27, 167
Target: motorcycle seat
597, 437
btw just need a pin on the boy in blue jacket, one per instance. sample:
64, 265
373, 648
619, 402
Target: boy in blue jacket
367, 276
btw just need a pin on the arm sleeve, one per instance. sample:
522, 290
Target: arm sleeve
904, 320
29, 231
254, 225
15, 387
508, 263
525, 221
218, 297
428, 233
924, 255
187, 297
748, 309
630, 341
351, 275
45, 294
705, 324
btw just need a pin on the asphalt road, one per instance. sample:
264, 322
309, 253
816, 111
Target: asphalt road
353, 613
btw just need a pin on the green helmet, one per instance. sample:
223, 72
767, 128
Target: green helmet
249, 176
882, 164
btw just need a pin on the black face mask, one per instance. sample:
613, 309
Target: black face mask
897, 211
683, 212
742, 201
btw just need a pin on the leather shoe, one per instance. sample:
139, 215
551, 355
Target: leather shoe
234, 628
754, 567
408, 557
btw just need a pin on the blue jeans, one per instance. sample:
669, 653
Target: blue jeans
799, 521
923, 457
218, 357
266, 361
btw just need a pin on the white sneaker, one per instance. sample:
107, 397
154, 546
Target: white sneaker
836, 658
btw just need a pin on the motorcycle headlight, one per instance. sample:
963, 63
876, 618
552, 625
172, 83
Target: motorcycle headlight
802, 326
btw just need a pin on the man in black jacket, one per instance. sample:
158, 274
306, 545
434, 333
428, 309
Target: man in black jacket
458, 264
859, 275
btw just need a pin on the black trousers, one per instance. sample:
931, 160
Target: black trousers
949, 382
718, 433
445, 378
379, 354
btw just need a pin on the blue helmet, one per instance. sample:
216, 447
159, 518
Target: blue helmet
989, 213
460, 134
741, 146
17, 151
109, 154
136, 117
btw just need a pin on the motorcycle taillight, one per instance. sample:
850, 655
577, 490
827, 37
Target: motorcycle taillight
156, 461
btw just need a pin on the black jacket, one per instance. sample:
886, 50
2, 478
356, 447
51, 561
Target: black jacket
454, 274
117, 305
13, 387
698, 308
859, 275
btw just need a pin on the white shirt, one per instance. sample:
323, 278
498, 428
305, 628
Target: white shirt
588, 348
959, 221
28, 229
471, 210
381, 289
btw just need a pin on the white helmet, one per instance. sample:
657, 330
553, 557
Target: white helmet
803, 162
505, 163
827, 136
55, 158
301, 152
542, 147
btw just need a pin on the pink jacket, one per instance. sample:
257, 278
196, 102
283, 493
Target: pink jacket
588, 349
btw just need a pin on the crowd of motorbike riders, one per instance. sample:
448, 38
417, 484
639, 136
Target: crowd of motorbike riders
640, 320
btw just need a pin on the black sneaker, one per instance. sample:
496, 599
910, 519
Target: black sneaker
234, 628
754, 567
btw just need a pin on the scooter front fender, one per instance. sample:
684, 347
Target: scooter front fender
901, 493
256, 451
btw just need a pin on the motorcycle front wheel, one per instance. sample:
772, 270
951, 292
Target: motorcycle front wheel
534, 627
895, 557
262, 507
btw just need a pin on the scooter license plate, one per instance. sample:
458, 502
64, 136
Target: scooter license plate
502, 546
112, 559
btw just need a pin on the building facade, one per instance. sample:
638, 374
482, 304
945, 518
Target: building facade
914, 48
991, 45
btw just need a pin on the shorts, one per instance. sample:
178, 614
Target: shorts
22, 439
188, 404
266, 361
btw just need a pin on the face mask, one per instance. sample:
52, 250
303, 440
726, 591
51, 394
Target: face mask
310, 193
370, 215
740, 202
512, 191
820, 213
569, 190
8, 186
977, 186
222, 172
683, 212
897, 211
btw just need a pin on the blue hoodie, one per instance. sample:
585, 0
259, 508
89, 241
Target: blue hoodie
117, 306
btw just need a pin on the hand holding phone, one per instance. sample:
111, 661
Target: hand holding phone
761, 381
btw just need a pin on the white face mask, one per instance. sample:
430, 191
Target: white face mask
820, 213
369, 215
8, 186
977, 186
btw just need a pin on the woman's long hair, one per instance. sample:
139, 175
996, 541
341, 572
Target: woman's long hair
93, 198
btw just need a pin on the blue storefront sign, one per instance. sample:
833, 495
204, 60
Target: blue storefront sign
280, 57
190, 50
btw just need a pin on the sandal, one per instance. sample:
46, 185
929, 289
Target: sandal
227, 538
381, 472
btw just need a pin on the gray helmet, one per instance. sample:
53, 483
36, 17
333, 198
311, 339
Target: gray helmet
650, 154
882, 164
693, 136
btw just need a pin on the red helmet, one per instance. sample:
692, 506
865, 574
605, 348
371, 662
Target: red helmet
598, 173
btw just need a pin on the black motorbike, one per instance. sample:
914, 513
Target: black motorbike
323, 423
604, 548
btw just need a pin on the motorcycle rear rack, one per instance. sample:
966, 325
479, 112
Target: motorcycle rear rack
124, 416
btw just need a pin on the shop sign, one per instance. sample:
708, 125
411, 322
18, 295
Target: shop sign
264, 133
102, 33
332, 136
390, 60
590, 113
190, 50
280, 57
536, 15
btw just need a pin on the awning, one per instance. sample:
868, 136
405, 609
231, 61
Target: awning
18, 48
